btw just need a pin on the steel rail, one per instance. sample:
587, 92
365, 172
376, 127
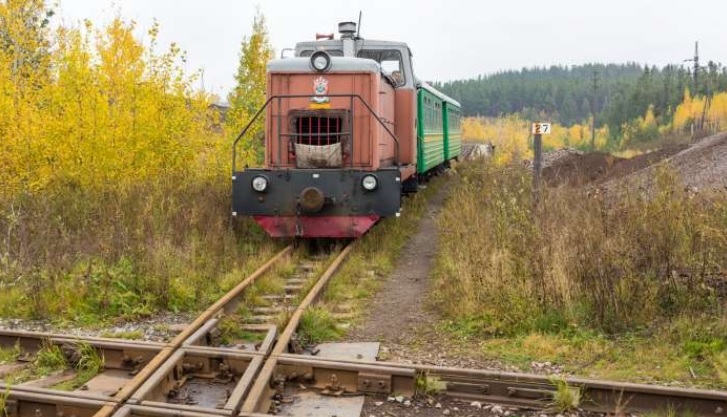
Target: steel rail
117, 354
146, 411
21, 335
32, 404
244, 364
130, 388
257, 399
507, 388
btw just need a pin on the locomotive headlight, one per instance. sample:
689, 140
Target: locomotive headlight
260, 184
369, 182
320, 61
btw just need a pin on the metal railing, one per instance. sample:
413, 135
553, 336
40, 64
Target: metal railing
278, 98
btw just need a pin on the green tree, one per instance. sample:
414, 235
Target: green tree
249, 93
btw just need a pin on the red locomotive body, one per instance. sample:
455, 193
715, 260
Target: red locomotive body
340, 139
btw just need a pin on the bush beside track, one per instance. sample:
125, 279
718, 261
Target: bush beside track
79, 255
569, 281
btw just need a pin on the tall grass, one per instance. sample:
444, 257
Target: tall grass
581, 258
73, 253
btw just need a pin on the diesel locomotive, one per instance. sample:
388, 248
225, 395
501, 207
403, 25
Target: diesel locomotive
348, 129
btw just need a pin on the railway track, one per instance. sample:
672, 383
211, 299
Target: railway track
202, 374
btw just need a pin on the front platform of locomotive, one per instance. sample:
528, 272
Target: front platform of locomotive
334, 163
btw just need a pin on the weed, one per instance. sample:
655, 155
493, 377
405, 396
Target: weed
250, 336
4, 395
231, 331
428, 385
49, 359
703, 349
316, 326
9, 355
282, 319
719, 362
88, 364
565, 397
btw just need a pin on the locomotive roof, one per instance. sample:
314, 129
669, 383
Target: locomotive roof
338, 44
360, 43
337, 64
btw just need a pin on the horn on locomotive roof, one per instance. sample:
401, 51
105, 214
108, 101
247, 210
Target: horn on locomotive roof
320, 36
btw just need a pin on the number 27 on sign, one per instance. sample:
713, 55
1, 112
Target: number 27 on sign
541, 128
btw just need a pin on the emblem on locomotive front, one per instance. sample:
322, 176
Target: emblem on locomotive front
320, 88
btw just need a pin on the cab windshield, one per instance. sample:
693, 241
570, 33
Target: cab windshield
390, 61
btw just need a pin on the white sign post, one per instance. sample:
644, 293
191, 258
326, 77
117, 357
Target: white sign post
539, 129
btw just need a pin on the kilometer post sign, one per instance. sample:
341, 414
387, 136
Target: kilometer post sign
541, 128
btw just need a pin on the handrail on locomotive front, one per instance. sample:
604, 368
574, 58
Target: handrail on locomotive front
280, 97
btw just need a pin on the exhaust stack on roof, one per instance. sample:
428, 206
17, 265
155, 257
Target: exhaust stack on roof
347, 29
348, 32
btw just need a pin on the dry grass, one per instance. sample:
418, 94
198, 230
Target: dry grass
584, 274
580, 258
565, 397
80, 255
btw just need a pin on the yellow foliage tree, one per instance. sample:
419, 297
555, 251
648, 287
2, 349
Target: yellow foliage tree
99, 110
693, 109
249, 93
512, 139
24, 71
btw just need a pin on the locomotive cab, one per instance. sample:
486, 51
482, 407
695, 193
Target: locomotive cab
340, 139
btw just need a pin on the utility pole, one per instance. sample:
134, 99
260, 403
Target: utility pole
593, 111
700, 123
696, 68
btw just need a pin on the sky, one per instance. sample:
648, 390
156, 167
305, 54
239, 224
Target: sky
450, 39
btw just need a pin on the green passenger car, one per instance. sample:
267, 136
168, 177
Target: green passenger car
438, 129
452, 131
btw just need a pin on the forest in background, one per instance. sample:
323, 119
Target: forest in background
632, 102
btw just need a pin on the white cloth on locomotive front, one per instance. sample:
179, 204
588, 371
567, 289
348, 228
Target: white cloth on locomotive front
315, 156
